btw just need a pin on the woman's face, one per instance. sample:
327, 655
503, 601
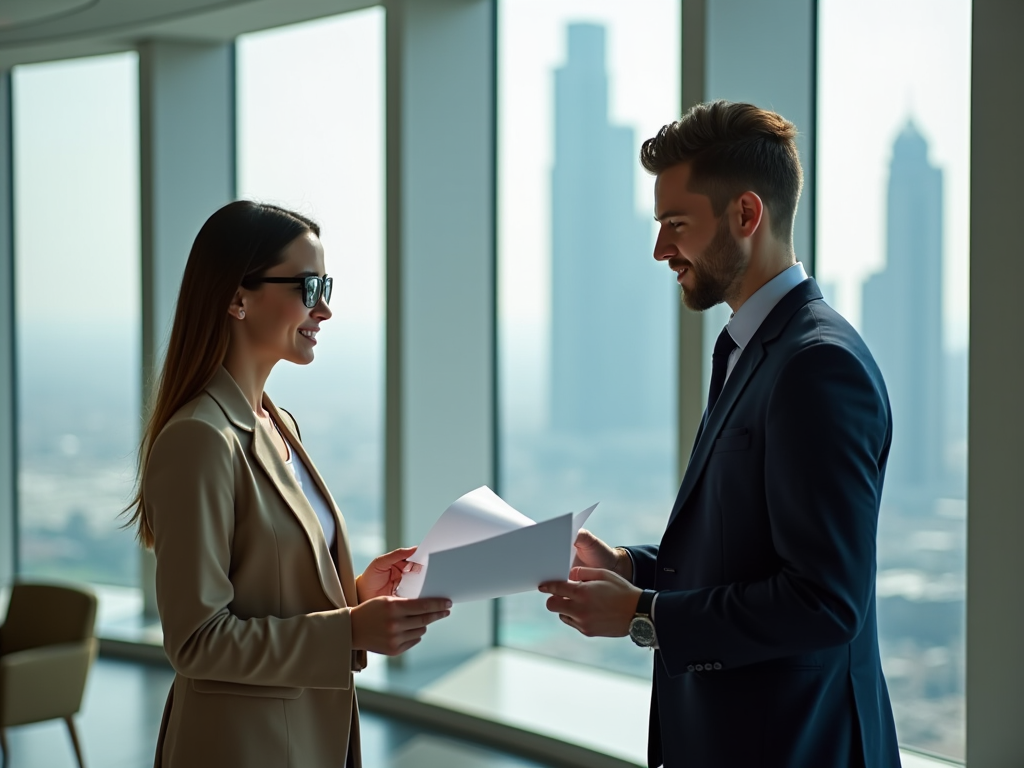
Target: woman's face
277, 324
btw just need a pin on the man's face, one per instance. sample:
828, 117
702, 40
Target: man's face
700, 248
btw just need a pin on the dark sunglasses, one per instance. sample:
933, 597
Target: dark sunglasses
313, 287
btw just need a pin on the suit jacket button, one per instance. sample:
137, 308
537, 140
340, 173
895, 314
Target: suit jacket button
690, 667
718, 665
700, 667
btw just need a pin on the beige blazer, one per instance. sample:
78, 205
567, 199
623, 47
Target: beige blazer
255, 616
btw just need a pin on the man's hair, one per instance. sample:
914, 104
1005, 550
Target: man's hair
732, 148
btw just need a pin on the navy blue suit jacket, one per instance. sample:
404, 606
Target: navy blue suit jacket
765, 575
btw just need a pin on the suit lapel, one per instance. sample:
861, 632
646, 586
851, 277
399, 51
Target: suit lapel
746, 366
734, 386
345, 568
229, 397
270, 461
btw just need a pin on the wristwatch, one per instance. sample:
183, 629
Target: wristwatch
641, 628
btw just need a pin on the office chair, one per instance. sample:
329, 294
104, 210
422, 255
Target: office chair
47, 645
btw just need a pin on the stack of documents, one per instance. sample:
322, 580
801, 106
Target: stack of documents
482, 548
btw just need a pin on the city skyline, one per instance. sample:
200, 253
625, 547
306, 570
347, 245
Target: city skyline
921, 548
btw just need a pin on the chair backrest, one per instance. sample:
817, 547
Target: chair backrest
46, 614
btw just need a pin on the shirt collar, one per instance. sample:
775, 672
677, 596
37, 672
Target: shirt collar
745, 322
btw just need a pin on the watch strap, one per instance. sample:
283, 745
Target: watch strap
643, 605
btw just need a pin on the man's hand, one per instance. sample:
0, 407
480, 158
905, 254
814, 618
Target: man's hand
591, 552
595, 601
383, 574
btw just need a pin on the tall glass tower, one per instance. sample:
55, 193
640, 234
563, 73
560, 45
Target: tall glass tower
903, 316
610, 315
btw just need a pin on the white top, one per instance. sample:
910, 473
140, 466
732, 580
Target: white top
744, 323
313, 494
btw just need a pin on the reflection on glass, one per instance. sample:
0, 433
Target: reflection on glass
892, 254
586, 318
77, 315
311, 138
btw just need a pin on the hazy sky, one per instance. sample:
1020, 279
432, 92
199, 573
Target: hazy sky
881, 61
643, 73
311, 137
642, 51
76, 190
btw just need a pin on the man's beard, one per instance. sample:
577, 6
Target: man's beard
721, 266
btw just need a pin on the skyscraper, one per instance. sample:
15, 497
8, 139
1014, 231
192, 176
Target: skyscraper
903, 315
611, 309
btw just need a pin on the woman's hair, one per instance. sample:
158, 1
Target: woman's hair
238, 243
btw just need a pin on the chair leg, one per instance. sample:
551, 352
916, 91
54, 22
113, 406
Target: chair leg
74, 741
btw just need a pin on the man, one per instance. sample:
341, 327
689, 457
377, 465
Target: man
760, 599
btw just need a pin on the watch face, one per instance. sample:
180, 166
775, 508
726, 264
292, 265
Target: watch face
641, 631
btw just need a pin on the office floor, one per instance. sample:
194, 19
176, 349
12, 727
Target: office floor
121, 713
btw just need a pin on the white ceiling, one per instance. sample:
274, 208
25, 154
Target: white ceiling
43, 30
21, 13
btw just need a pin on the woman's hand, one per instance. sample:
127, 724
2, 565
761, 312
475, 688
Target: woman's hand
393, 625
382, 575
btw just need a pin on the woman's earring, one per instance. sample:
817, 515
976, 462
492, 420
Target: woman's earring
241, 314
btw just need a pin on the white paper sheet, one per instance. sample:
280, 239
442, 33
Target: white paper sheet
476, 516
482, 548
578, 521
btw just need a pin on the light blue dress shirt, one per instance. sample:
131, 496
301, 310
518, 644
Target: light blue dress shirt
745, 321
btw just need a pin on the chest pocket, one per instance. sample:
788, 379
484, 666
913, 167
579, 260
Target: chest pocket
736, 439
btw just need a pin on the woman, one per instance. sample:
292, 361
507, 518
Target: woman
263, 619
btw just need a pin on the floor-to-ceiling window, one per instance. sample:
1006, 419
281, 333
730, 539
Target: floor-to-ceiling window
311, 138
76, 207
586, 317
892, 255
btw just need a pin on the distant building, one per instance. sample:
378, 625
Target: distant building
611, 310
902, 316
